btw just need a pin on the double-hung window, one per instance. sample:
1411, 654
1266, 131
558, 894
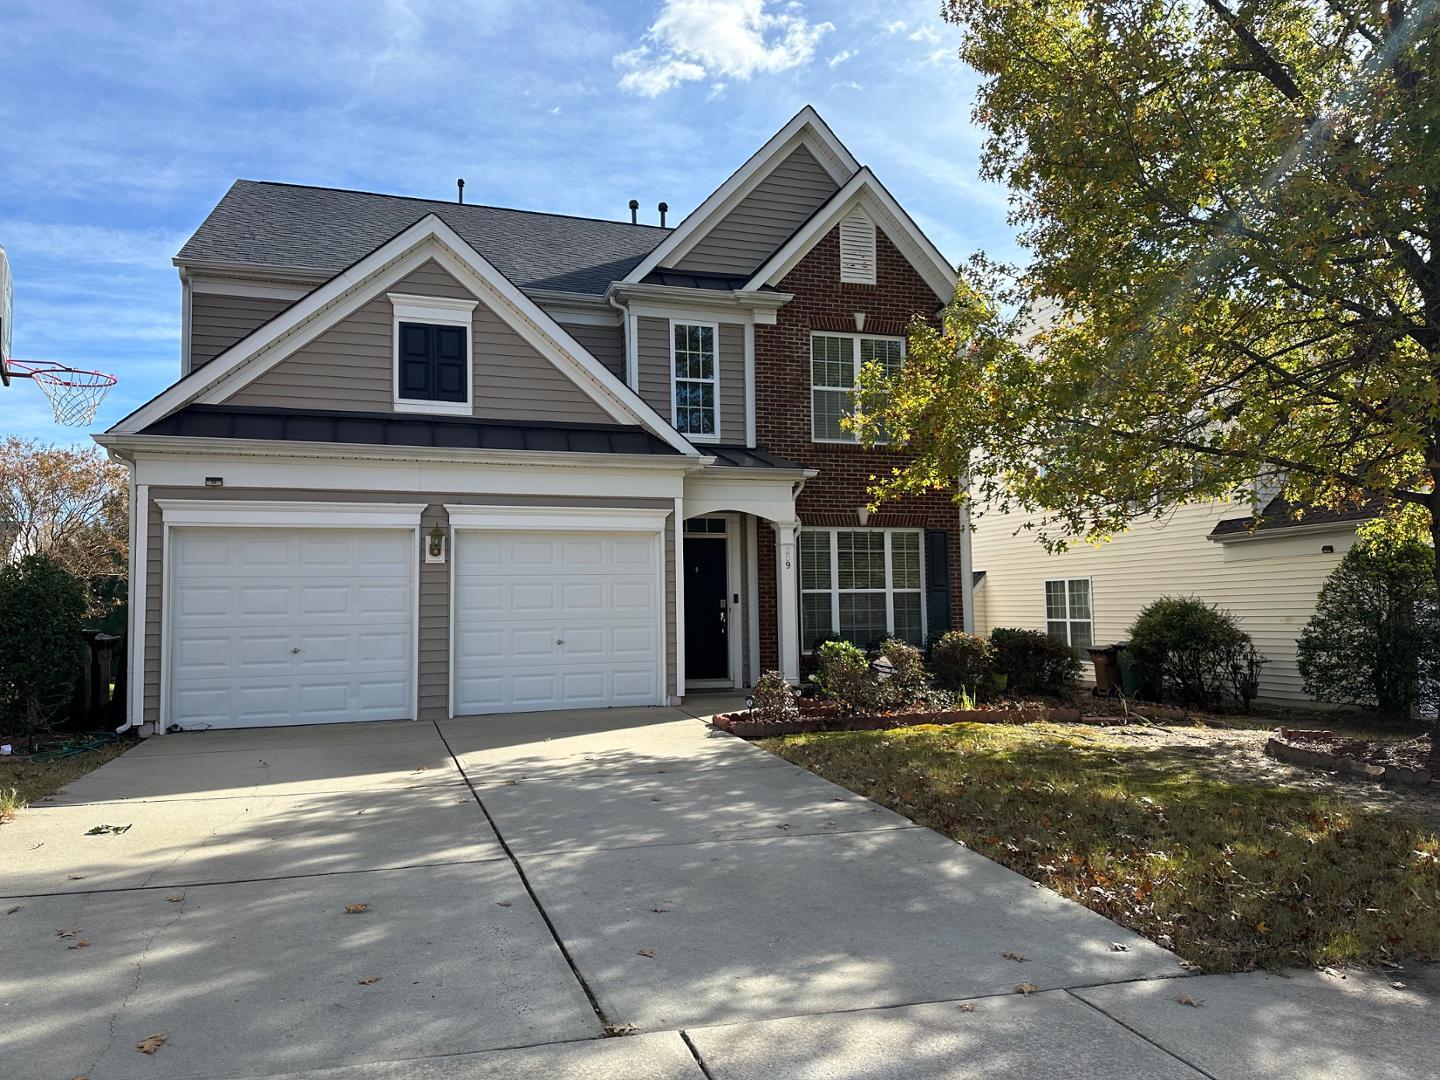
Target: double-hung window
696, 379
1068, 615
863, 585
433, 357
835, 363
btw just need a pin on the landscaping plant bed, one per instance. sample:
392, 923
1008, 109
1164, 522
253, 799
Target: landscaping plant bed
830, 716
1376, 759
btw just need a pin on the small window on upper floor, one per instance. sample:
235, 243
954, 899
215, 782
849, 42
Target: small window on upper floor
695, 377
434, 366
857, 248
835, 363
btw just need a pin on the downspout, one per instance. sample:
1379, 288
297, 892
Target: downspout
967, 562
134, 612
627, 328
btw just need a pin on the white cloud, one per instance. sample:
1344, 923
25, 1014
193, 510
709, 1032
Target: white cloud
692, 40
850, 85
840, 57
897, 27
928, 34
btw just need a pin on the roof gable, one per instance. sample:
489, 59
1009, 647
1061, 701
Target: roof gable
863, 192
805, 130
426, 240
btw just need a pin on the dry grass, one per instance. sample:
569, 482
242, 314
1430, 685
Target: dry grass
24, 781
1230, 874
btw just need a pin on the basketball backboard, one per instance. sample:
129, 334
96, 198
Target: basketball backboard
7, 306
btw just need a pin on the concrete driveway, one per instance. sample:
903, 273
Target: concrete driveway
529, 881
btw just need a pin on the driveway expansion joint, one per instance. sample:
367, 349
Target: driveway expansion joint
1127, 1027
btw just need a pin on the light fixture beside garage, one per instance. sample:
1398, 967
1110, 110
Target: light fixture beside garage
435, 545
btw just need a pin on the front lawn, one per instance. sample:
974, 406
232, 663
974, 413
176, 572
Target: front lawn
1230, 874
24, 778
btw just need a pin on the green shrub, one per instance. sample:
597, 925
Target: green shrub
1033, 662
1195, 653
774, 699
908, 682
961, 661
42, 655
1374, 639
842, 673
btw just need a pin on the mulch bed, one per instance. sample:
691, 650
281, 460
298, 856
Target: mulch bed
1390, 761
831, 716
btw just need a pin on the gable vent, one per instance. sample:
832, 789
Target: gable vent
857, 248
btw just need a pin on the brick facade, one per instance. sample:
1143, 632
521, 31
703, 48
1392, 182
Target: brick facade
782, 409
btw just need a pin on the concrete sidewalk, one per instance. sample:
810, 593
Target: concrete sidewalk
530, 880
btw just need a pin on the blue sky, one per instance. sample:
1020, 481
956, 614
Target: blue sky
124, 123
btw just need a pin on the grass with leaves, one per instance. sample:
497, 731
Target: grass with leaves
23, 780
1231, 875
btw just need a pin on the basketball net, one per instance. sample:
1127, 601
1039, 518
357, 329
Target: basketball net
74, 394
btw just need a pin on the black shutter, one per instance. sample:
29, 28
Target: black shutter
937, 580
415, 367
448, 373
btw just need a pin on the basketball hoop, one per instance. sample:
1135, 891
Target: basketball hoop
74, 394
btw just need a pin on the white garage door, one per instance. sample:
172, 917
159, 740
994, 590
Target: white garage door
556, 620
290, 626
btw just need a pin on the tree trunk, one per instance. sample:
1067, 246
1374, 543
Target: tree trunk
1425, 703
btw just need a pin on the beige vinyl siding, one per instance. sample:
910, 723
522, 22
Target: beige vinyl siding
434, 598
352, 365
652, 347
217, 322
764, 219
605, 343
1270, 583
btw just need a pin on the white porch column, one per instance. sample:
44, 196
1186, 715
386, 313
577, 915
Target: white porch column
787, 603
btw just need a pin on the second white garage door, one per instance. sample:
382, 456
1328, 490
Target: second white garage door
555, 620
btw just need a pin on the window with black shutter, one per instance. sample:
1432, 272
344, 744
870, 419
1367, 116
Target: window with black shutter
432, 363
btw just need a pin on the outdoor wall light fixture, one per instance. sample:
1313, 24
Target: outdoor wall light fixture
435, 545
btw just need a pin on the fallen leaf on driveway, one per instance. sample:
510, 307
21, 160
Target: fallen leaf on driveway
647, 952
421, 768
69, 931
511, 783
356, 909
11, 911
1186, 999
656, 798
659, 910
503, 903
81, 944
101, 830
174, 899
613, 1030
369, 980
76, 877
1115, 946
151, 1043
966, 1007
1013, 956
1026, 988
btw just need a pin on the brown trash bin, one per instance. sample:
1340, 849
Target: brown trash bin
1106, 659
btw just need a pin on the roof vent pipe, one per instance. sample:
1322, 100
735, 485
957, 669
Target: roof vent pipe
663, 208
634, 211
460, 187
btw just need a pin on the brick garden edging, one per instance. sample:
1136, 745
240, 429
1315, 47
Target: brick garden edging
1277, 748
741, 724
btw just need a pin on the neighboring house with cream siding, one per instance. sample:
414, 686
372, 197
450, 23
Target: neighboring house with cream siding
428, 459
1268, 575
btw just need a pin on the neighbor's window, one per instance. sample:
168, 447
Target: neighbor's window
1068, 617
863, 585
692, 356
835, 363
431, 363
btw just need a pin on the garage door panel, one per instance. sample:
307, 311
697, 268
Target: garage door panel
518, 594
290, 626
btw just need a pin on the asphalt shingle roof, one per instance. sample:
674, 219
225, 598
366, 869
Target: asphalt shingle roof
290, 226
1281, 514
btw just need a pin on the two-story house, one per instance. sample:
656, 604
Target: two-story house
429, 458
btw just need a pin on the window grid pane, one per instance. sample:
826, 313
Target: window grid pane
905, 560
815, 561
908, 624
847, 569
832, 362
815, 619
1079, 599
694, 348
860, 558
862, 617
1055, 600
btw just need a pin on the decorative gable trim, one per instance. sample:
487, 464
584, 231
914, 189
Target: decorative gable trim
429, 238
857, 248
866, 194
804, 129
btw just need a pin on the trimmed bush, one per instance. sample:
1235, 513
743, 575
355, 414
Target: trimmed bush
1034, 662
42, 607
961, 661
1196, 653
1374, 639
842, 673
774, 699
909, 683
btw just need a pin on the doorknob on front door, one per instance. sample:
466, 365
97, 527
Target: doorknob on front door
559, 641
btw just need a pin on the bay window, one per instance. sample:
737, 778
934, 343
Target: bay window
862, 585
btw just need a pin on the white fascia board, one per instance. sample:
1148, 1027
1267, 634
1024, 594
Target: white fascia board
429, 238
804, 129
673, 301
277, 513
556, 518
1289, 531
234, 287
865, 191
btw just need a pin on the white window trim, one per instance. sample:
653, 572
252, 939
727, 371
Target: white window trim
855, 339
715, 337
834, 590
433, 310
1068, 620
